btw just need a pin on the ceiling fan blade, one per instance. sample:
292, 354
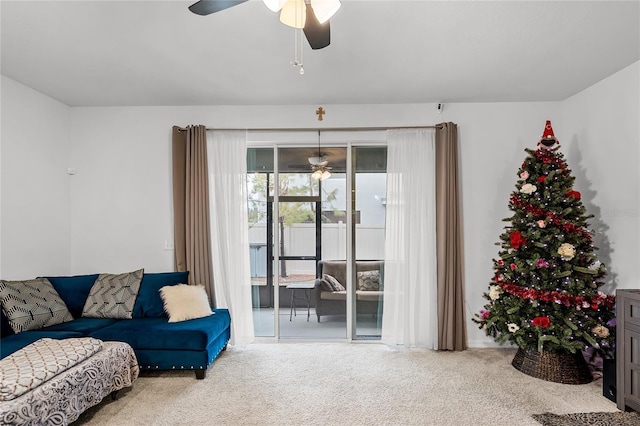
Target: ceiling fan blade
318, 35
206, 7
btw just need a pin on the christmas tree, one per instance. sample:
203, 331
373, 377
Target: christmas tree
544, 292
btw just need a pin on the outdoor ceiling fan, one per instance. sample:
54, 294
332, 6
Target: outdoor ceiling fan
320, 164
312, 16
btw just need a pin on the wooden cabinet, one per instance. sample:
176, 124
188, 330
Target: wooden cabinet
628, 349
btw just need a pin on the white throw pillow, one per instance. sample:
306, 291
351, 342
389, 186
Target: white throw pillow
184, 302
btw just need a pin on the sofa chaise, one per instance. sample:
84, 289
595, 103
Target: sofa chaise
159, 343
331, 298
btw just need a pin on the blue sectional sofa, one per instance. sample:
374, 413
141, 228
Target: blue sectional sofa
158, 344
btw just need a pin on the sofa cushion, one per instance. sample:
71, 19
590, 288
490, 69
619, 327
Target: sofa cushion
83, 326
185, 302
10, 344
369, 295
335, 268
74, 290
5, 327
333, 295
338, 269
159, 334
368, 280
324, 284
361, 295
32, 304
333, 283
148, 302
113, 295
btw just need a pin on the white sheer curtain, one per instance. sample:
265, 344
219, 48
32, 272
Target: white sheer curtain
410, 279
227, 163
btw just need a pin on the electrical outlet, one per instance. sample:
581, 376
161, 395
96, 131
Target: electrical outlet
168, 245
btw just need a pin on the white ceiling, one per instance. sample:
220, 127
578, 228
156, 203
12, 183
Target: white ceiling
100, 53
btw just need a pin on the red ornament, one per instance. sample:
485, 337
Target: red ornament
542, 322
542, 179
574, 194
517, 240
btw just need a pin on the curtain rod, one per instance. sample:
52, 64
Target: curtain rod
316, 129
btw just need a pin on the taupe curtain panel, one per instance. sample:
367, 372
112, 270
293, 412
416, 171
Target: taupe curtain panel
192, 234
452, 330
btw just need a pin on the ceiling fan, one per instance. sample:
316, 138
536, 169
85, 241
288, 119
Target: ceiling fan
312, 16
320, 164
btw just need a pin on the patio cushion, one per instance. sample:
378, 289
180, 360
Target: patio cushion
368, 280
369, 295
334, 295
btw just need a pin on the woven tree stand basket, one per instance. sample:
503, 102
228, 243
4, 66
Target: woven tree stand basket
559, 367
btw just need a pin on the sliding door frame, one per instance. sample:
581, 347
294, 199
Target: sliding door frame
347, 139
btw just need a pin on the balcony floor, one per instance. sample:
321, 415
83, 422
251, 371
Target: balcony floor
330, 327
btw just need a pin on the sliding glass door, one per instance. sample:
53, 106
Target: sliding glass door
369, 188
298, 223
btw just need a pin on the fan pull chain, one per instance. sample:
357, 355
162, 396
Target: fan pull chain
297, 50
300, 44
297, 40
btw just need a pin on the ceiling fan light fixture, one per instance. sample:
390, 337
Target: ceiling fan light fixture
320, 164
325, 9
294, 13
321, 173
274, 5
320, 160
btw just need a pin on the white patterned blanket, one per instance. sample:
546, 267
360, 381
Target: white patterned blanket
61, 399
29, 367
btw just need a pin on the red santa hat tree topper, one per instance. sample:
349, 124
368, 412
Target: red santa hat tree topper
548, 138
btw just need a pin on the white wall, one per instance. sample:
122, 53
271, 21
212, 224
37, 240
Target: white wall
120, 198
35, 186
601, 136
121, 207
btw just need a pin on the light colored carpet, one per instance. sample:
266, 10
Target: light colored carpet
347, 384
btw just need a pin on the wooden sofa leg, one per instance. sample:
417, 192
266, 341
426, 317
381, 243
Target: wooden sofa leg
200, 374
114, 395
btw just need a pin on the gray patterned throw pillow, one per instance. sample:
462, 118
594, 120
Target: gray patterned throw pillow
369, 280
113, 295
333, 282
32, 304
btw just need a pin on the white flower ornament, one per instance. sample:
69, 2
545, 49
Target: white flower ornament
528, 188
